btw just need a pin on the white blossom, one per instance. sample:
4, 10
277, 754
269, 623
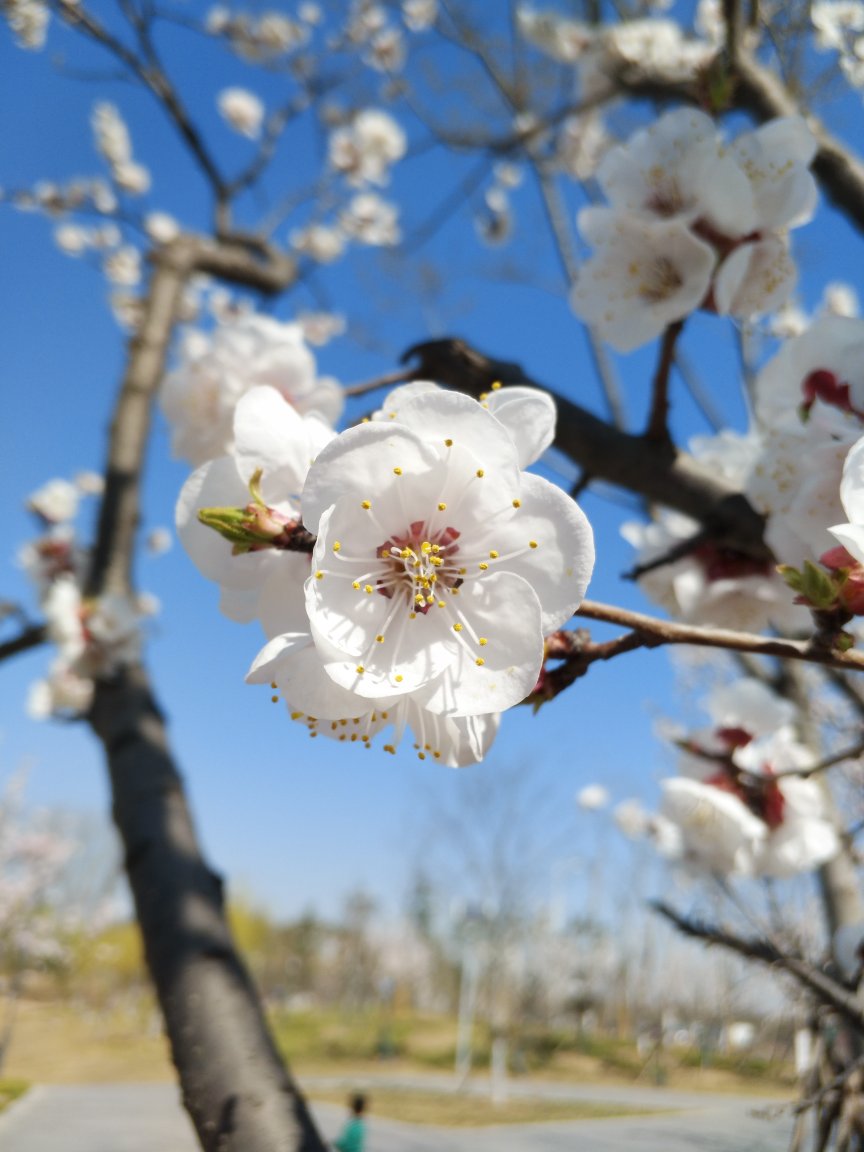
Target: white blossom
428, 536
371, 220
365, 149
161, 228
242, 111
593, 797
55, 502
200, 395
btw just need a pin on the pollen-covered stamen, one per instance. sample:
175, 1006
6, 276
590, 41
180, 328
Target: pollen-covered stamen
418, 565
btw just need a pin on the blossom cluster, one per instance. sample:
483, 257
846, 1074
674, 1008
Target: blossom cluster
742, 804
692, 222
92, 636
799, 465
437, 566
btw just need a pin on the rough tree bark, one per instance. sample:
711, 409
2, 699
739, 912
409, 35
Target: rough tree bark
235, 1086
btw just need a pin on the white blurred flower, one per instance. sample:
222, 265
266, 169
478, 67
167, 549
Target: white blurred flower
419, 15
72, 239
319, 242
133, 178
242, 111
123, 266
159, 541
371, 220
160, 227
200, 395
90, 483
365, 149
55, 502
593, 797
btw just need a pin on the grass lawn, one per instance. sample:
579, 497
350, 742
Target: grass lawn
467, 1111
10, 1090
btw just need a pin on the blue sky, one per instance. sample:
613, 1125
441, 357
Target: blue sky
300, 823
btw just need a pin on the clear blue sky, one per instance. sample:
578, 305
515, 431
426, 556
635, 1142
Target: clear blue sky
298, 823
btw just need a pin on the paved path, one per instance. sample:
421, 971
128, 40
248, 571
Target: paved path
148, 1118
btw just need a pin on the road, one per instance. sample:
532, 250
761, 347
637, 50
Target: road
148, 1117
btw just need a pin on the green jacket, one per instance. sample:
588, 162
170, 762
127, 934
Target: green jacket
352, 1137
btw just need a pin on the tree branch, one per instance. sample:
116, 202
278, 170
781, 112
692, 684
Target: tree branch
236, 1088
30, 637
655, 632
827, 990
658, 471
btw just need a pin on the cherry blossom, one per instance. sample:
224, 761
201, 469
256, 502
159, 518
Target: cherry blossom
685, 212
528, 414
365, 149
55, 502
200, 395
436, 560
261, 481
292, 667
242, 111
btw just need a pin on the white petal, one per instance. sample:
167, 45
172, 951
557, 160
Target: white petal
213, 485
529, 416
359, 461
559, 567
439, 417
504, 611
271, 435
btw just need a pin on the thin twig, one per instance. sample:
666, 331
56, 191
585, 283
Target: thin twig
655, 632
658, 420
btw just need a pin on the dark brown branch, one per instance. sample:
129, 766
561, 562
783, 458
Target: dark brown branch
656, 632
658, 471
236, 1088
657, 428
30, 637
827, 990
151, 74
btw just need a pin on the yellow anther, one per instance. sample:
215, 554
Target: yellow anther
419, 598
391, 415
454, 591
405, 553
398, 679
412, 615
517, 503
479, 661
353, 737
296, 715
462, 572
482, 641
337, 546
442, 507
437, 755
397, 471
368, 589
364, 420
384, 715
437, 561
480, 473
457, 627
343, 723
442, 603
425, 547
273, 684
379, 639
333, 725
532, 543
360, 669
367, 504
482, 565
389, 748
448, 443
274, 699
355, 584
493, 555
496, 385
311, 733
319, 575
483, 396
430, 599
436, 547
421, 755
